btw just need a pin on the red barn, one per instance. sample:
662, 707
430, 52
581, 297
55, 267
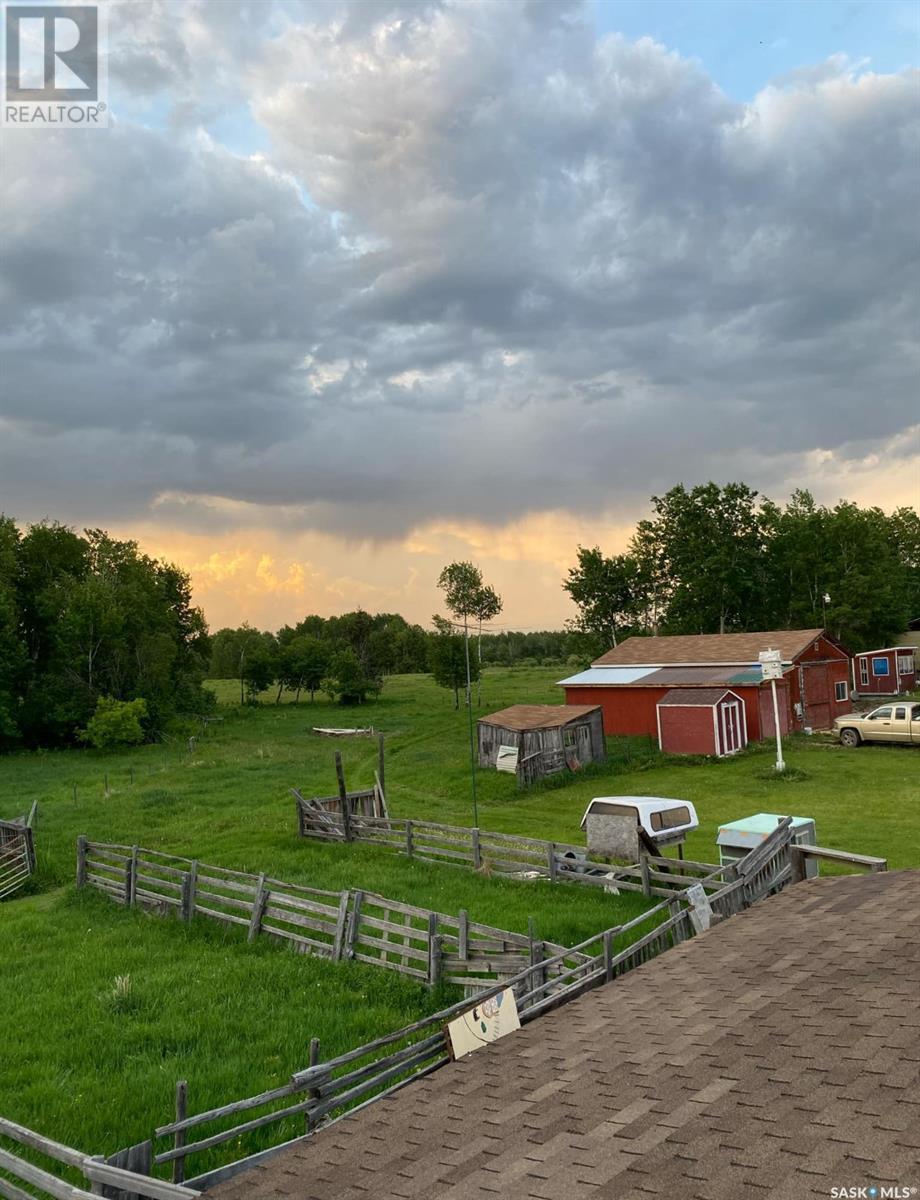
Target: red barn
701, 721
886, 672
629, 681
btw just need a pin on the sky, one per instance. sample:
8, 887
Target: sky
347, 291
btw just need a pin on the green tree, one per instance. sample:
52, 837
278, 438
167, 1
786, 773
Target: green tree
303, 664
259, 671
447, 658
347, 681
605, 593
115, 723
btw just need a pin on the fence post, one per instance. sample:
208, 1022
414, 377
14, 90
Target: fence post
644, 871
349, 949
477, 855
463, 936
258, 909
189, 884
380, 767
300, 823
81, 861
797, 863
434, 951
410, 848
551, 860
96, 1189
608, 955
131, 879
313, 1093
341, 920
178, 1171
343, 797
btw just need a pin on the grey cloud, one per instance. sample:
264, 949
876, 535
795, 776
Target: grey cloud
491, 266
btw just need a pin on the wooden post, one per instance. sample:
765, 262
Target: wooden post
797, 863
131, 879
189, 883
81, 860
178, 1171
380, 767
463, 936
551, 861
258, 909
338, 943
313, 1093
300, 824
477, 855
343, 797
644, 871
532, 937
409, 846
96, 1189
434, 951
353, 929
608, 955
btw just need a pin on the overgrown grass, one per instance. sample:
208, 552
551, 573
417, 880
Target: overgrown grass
234, 1018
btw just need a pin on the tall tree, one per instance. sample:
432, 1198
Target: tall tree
447, 658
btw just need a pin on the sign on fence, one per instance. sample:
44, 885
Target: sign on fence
700, 908
487, 1022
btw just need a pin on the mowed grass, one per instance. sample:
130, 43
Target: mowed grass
234, 1018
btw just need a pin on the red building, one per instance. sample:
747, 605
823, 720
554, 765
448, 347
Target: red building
629, 681
701, 721
886, 672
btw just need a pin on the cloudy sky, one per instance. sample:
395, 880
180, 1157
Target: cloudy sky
345, 291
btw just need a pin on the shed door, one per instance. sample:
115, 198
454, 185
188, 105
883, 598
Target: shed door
816, 702
731, 723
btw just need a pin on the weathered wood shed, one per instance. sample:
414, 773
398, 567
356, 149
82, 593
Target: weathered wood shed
534, 740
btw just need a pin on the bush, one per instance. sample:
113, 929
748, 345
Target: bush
115, 723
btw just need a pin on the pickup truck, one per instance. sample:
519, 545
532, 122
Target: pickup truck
895, 722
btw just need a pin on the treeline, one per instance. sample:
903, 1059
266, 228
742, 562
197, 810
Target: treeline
86, 620
722, 559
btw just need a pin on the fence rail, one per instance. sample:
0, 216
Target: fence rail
351, 925
509, 854
17, 852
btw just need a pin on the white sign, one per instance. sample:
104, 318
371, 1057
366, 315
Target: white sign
700, 908
507, 759
485, 1023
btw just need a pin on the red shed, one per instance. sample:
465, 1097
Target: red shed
628, 681
887, 672
701, 721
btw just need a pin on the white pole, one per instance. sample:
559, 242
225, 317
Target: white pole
780, 764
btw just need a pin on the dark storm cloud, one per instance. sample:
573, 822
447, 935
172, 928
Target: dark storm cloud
489, 266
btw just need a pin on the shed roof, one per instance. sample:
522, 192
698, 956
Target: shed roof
694, 697
749, 676
886, 650
776, 1055
538, 716
716, 648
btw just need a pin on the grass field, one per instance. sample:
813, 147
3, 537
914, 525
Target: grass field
232, 1018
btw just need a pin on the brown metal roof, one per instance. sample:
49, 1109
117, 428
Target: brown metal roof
725, 648
776, 1056
538, 716
696, 696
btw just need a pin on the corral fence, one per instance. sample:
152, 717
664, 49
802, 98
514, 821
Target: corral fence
17, 851
350, 925
101, 1177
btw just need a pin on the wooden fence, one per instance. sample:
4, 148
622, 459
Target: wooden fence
321, 1092
352, 925
17, 852
103, 1178
510, 854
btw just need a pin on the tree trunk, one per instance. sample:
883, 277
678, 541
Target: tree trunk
280, 690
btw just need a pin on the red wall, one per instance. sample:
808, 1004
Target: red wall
631, 709
687, 730
884, 685
829, 665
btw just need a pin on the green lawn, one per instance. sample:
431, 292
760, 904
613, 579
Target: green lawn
234, 1018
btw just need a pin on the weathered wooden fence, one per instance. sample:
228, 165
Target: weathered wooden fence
352, 925
322, 1091
103, 1178
510, 854
17, 852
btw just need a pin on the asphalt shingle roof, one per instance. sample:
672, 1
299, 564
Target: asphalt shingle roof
724, 648
776, 1056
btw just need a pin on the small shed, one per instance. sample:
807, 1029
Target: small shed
534, 740
887, 672
701, 721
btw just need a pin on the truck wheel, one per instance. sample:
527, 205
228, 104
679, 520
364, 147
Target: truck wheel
850, 737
